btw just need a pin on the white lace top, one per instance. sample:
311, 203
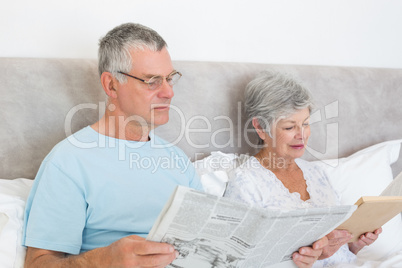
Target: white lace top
255, 185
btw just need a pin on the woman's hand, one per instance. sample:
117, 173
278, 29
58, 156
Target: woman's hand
336, 239
364, 240
306, 256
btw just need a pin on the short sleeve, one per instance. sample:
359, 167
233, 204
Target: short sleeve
187, 167
195, 181
55, 218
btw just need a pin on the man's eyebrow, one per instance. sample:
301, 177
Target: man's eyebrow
149, 75
152, 75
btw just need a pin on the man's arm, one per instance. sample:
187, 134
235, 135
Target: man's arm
131, 251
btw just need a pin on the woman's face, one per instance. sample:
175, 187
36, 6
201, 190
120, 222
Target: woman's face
290, 135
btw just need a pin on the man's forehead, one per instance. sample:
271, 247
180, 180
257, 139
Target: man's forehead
150, 63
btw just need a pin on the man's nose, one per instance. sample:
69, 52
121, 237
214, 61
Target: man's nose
166, 90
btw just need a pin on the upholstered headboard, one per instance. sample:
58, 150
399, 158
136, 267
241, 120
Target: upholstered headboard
43, 100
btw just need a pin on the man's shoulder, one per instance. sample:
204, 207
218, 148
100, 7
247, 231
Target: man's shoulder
82, 139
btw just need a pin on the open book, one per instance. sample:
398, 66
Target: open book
374, 211
212, 231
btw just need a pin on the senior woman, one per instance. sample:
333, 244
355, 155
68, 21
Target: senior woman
279, 109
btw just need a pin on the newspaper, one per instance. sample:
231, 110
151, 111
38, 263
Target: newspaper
212, 231
394, 188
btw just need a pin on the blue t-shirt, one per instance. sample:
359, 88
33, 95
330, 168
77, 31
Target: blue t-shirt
92, 190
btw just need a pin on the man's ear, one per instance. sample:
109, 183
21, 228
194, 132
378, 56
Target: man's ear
109, 84
260, 131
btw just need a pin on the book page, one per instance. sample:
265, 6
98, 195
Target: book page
211, 231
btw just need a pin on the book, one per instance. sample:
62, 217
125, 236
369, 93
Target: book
372, 213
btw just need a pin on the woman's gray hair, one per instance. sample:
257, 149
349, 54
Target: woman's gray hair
114, 48
272, 96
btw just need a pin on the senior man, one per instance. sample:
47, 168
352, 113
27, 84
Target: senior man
89, 207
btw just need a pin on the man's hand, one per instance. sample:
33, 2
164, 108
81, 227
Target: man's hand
336, 239
135, 251
364, 240
306, 256
131, 251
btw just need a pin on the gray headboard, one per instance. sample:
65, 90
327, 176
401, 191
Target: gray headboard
42, 100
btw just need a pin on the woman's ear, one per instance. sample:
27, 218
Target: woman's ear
109, 84
260, 131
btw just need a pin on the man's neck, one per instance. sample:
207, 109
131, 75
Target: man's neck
132, 131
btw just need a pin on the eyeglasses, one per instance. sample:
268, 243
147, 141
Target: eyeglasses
156, 81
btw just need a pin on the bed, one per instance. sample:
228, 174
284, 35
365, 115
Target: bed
356, 130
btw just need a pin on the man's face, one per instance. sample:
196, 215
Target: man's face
135, 100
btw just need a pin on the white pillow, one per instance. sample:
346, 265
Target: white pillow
13, 195
368, 173
214, 170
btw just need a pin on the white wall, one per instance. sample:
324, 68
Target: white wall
323, 32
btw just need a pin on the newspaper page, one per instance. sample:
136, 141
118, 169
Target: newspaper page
212, 231
394, 188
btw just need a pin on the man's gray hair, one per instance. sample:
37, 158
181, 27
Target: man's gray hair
114, 48
272, 96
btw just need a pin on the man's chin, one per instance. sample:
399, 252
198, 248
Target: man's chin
159, 122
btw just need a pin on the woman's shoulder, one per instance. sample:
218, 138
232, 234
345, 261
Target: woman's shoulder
312, 170
251, 172
249, 166
245, 182
309, 165
318, 182
306, 163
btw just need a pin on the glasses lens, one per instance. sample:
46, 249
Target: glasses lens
173, 78
155, 82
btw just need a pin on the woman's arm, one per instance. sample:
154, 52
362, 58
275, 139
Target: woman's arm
336, 239
364, 240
